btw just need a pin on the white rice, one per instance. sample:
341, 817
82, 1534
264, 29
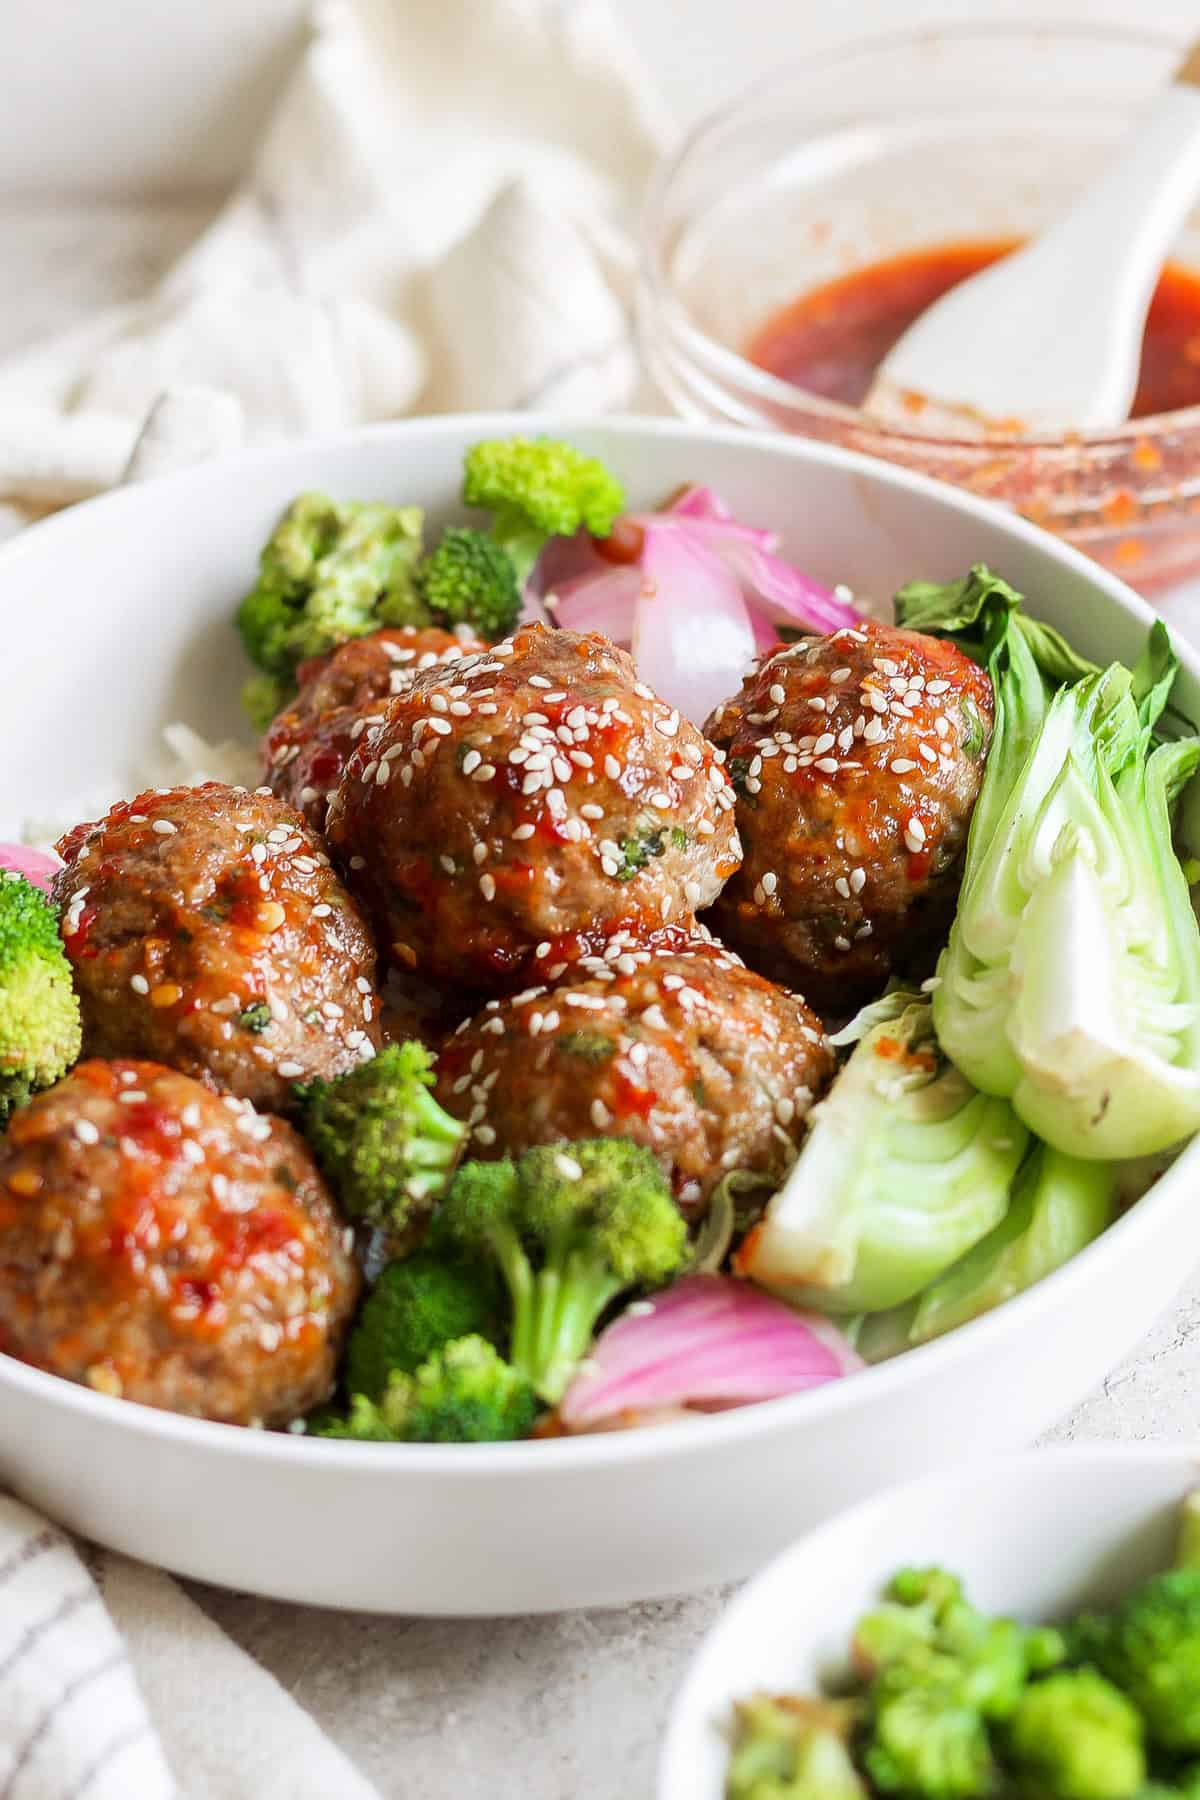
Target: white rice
184, 760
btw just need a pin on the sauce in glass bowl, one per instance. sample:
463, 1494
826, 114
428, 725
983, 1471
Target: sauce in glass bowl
832, 339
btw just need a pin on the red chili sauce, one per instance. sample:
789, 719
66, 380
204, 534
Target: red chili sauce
832, 339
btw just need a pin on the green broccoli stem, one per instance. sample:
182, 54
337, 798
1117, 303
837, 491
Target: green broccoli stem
519, 539
554, 1309
435, 1145
567, 1296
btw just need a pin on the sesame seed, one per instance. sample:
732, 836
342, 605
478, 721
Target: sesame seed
600, 1115
164, 828
903, 765
487, 886
770, 882
843, 887
937, 687
471, 761
441, 726
485, 1134
841, 943
290, 1070
655, 1017
86, 1132
521, 832
612, 768
927, 754
823, 743
139, 984
914, 835
661, 801
858, 881
827, 764
539, 681
322, 912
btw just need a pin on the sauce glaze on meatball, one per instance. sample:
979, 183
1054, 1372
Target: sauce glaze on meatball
682, 1049
514, 811
342, 696
207, 930
169, 1245
857, 760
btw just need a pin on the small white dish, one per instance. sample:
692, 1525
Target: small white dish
1037, 1537
117, 620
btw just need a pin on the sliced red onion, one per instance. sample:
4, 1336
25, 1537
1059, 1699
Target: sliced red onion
35, 865
602, 602
692, 635
708, 1342
704, 596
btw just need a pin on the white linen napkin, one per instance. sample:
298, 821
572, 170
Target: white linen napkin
438, 218
114, 1686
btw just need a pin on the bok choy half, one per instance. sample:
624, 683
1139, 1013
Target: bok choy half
1071, 981
906, 1166
916, 1200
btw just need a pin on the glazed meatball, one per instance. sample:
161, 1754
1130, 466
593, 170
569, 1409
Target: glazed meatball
207, 930
515, 811
342, 696
857, 760
170, 1245
684, 1050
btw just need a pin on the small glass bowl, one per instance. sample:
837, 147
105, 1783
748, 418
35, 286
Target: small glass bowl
894, 144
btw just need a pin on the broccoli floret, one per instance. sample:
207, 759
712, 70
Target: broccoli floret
469, 579
264, 698
792, 1749
925, 1610
330, 571
570, 1226
1075, 1736
535, 489
913, 1604
416, 1306
382, 1139
464, 1394
40, 1034
1150, 1647
926, 1735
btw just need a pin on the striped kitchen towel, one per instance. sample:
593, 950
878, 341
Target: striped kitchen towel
115, 1686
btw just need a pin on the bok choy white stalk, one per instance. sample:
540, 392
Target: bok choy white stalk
905, 1167
1071, 982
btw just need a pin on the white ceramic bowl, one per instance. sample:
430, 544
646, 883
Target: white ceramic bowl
1037, 1537
117, 620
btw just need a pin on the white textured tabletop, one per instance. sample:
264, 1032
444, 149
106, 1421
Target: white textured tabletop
567, 1708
